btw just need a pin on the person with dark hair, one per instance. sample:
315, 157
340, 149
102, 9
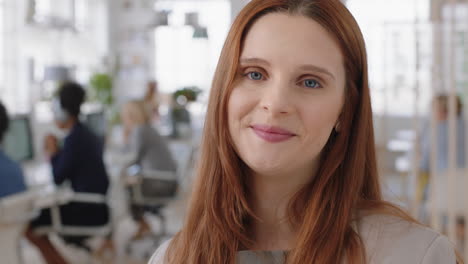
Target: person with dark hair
79, 162
11, 175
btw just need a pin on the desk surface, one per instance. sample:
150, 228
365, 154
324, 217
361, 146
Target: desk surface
37, 173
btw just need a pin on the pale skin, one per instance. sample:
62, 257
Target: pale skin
292, 77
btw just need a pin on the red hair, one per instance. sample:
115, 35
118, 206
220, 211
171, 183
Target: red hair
347, 182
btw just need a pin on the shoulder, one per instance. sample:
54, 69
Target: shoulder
142, 132
81, 130
82, 135
158, 256
150, 131
9, 166
76, 134
153, 137
390, 239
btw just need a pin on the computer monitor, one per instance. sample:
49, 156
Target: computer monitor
97, 123
18, 141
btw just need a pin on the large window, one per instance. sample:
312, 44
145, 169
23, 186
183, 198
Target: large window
57, 13
182, 60
389, 30
396, 46
40, 33
460, 46
8, 49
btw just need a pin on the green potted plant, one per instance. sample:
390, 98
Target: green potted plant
179, 114
190, 93
101, 91
101, 84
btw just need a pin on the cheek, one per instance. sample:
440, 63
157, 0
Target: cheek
318, 130
319, 126
239, 106
234, 104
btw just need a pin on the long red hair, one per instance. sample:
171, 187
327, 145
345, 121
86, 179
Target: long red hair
217, 225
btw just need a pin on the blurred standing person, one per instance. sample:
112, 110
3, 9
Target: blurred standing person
440, 105
11, 175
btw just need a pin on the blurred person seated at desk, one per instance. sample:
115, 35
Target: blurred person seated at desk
147, 149
441, 105
11, 175
79, 161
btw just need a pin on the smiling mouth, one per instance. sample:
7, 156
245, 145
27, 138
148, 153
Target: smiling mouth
272, 134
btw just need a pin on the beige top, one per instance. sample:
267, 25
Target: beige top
387, 239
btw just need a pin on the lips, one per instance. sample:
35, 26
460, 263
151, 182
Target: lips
271, 133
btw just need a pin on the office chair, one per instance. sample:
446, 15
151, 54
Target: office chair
15, 213
155, 203
72, 234
184, 153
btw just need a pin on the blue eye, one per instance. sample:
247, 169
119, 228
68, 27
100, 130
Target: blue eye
256, 76
312, 83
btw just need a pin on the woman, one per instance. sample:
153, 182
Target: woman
150, 151
287, 172
79, 162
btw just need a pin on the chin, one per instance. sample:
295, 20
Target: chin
266, 167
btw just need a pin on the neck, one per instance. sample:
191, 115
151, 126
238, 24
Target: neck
271, 196
70, 123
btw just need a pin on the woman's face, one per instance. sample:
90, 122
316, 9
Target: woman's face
287, 97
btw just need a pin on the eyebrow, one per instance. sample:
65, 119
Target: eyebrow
305, 67
310, 67
253, 60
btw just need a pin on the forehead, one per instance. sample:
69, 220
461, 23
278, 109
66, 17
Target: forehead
292, 39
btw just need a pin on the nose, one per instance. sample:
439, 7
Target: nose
276, 99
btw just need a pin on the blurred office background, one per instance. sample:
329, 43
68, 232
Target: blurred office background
417, 49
